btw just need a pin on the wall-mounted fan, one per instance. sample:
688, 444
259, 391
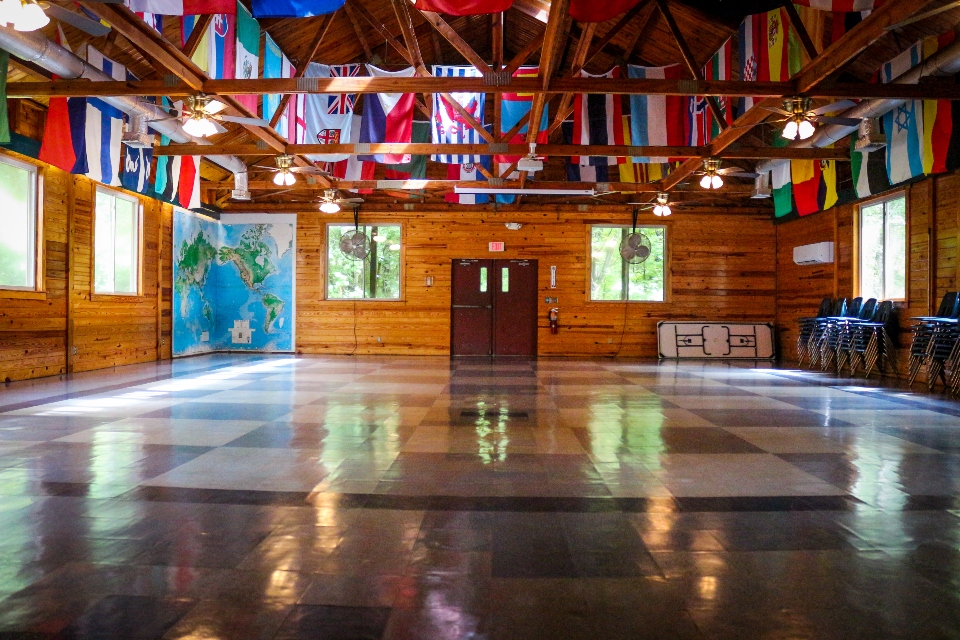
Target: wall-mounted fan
636, 247
354, 244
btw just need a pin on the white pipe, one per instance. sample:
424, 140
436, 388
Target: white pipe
945, 62
36, 48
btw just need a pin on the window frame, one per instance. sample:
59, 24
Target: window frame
858, 231
401, 290
118, 194
38, 289
667, 291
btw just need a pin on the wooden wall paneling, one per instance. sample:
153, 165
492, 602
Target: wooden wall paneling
946, 197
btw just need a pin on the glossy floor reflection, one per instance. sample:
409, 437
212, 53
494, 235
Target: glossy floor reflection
423, 498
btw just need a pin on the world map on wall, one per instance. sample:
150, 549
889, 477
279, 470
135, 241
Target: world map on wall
232, 285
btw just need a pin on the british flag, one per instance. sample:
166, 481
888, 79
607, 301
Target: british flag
338, 104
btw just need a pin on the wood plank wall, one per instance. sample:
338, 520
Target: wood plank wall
721, 267
932, 225
42, 335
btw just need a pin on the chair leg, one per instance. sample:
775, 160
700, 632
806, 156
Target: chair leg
934, 371
872, 354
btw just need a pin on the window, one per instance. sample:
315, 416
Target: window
609, 272
19, 223
116, 244
353, 277
883, 249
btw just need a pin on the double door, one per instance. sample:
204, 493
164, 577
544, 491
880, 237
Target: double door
494, 308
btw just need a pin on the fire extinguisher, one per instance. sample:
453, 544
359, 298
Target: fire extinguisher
554, 316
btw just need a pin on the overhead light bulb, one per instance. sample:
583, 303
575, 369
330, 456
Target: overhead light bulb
666, 210
716, 182
10, 11
705, 182
330, 207
379, 238
194, 127
31, 18
288, 178
790, 131
209, 128
395, 247
658, 210
806, 129
278, 179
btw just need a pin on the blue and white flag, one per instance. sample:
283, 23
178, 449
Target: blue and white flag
904, 124
294, 8
136, 170
449, 127
104, 126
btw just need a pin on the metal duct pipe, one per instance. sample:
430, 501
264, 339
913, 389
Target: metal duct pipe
943, 63
36, 48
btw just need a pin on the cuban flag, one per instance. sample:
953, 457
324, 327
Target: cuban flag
657, 121
294, 8
388, 117
904, 124
449, 127
104, 126
136, 170
598, 119
467, 172
329, 116
183, 7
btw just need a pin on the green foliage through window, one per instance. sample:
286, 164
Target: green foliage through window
18, 222
609, 272
375, 277
883, 249
116, 244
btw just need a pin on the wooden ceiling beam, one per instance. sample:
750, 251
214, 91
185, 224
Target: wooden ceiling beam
358, 30
456, 41
199, 29
302, 68
831, 60
642, 25
524, 54
801, 29
552, 150
612, 33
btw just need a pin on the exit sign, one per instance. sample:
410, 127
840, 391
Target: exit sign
497, 246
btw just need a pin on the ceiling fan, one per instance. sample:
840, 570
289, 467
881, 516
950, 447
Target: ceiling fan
800, 118
713, 174
203, 116
285, 170
330, 202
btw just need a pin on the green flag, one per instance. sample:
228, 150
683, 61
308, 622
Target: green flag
4, 116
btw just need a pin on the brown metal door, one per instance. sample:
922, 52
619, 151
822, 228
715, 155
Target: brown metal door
471, 316
515, 307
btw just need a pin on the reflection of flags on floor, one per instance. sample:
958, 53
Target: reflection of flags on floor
467, 172
514, 106
329, 116
136, 170
598, 119
449, 127
657, 121
388, 117
904, 124
104, 126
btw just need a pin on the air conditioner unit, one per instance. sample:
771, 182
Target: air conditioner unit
239, 194
761, 187
241, 190
869, 137
819, 253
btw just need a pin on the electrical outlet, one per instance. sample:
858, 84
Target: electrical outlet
609, 340
378, 339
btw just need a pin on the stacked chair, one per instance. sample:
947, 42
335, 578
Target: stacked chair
849, 332
833, 329
924, 347
874, 343
807, 327
818, 331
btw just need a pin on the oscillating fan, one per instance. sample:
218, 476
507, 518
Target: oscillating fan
353, 244
636, 247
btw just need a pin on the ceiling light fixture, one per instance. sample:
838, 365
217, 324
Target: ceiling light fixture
799, 123
22, 15
330, 207
662, 208
710, 179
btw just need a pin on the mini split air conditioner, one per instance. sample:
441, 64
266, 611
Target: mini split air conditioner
819, 253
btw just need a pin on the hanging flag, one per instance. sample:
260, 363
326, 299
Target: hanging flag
593, 11
702, 125
272, 68
904, 124
514, 106
657, 121
766, 52
296, 115
222, 50
814, 185
64, 143
449, 127
467, 172
640, 172
388, 117
104, 126
4, 115
178, 180
201, 55
598, 119
416, 169
136, 170
838, 5
584, 173
869, 171
843, 21
329, 116
248, 53
183, 7
938, 119
294, 8
781, 182
153, 20
353, 169
463, 7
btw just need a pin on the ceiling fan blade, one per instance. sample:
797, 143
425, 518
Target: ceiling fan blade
260, 166
741, 174
311, 171
256, 122
778, 110
214, 107
88, 25
220, 127
348, 200
167, 119
845, 122
836, 106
